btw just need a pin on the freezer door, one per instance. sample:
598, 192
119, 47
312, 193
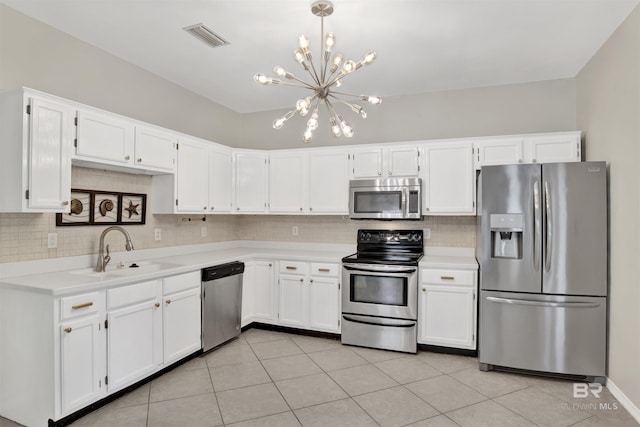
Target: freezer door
575, 229
511, 192
558, 334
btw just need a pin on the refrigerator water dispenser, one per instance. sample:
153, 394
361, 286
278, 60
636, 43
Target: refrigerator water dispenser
506, 235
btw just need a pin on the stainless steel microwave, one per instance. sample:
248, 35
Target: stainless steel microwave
386, 198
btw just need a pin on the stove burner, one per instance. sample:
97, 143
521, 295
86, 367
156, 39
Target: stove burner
393, 247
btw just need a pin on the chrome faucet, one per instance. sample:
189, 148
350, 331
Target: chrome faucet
103, 259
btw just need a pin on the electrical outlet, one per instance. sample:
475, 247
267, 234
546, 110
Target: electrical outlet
426, 233
294, 230
157, 234
52, 240
203, 231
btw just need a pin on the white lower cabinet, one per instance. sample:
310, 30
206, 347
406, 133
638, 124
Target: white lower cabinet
82, 351
259, 296
134, 343
181, 316
447, 311
309, 296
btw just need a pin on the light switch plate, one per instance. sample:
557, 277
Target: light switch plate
52, 240
203, 231
157, 234
426, 233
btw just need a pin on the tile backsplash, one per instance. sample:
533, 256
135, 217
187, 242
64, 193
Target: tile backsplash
23, 237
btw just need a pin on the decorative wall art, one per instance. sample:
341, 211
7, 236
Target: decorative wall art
90, 207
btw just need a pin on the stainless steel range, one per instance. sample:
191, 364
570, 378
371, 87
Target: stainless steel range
380, 292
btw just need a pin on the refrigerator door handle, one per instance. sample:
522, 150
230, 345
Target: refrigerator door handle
537, 229
549, 226
543, 303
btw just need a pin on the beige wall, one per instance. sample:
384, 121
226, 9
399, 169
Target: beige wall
546, 106
608, 111
35, 55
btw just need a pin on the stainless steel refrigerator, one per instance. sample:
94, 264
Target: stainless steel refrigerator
542, 250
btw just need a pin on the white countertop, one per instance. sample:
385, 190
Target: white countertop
58, 277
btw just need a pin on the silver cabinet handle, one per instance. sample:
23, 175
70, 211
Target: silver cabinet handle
139, 160
447, 278
288, 267
127, 157
379, 173
324, 270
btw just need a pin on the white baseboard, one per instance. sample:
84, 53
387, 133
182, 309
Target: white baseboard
624, 400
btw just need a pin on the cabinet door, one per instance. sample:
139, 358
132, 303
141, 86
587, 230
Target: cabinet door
447, 316
324, 304
82, 362
402, 161
104, 137
248, 293
181, 324
293, 297
50, 144
499, 152
448, 179
367, 163
251, 182
134, 343
192, 190
220, 181
155, 148
554, 148
328, 188
264, 293
287, 182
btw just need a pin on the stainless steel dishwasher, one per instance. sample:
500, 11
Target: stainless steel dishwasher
221, 303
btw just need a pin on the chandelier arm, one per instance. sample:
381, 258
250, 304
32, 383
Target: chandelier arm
305, 86
322, 59
348, 104
346, 94
340, 75
314, 74
308, 85
331, 109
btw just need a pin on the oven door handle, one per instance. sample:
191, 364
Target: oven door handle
379, 321
370, 268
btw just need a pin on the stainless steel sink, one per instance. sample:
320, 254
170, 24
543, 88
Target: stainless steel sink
129, 269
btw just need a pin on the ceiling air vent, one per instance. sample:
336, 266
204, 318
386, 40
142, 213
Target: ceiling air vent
206, 35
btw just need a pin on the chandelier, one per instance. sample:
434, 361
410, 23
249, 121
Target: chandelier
324, 81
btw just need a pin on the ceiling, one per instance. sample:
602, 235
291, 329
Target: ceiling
422, 45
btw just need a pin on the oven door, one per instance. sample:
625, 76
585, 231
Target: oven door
380, 290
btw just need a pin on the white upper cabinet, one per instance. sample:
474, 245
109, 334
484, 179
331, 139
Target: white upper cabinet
287, 182
366, 163
401, 161
155, 148
541, 148
499, 152
36, 134
251, 181
328, 175
220, 180
104, 137
562, 147
192, 178
448, 179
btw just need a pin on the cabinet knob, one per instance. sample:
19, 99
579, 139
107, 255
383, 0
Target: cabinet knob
379, 173
519, 160
168, 301
310, 209
424, 289
534, 160
269, 264
301, 280
205, 208
66, 203
426, 209
68, 330
311, 280
139, 160
212, 208
390, 173
157, 305
127, 157
237, 209
300, 209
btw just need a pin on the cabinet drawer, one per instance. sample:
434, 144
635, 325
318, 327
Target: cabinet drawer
80, 305
181, 282
132, 294
321, 269
293, 267
447, 277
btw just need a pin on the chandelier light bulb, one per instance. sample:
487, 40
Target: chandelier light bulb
262, 79
307, 135
349, 66
347, 130
279, 122
329, 41
281, 72
303, 43
368, 58
374, 100
312, 123
299, 56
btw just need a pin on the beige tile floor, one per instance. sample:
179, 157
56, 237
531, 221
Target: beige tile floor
267, 378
